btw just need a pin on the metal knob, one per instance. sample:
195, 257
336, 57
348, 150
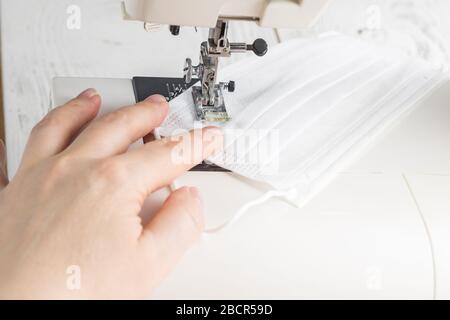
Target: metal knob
231, 86
175, 30
259, 47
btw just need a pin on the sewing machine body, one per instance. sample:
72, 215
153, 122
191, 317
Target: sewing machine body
205, 13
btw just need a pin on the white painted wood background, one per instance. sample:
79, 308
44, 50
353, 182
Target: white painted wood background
37, 46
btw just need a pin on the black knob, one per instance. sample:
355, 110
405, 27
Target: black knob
259, 47
175, 30
231, 86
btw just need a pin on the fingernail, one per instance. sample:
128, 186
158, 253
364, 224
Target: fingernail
156, 98
88, 94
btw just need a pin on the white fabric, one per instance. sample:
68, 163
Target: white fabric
324, 100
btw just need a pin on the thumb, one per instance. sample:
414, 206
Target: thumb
3, 168
174, 229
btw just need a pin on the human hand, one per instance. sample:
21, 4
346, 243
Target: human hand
76, 198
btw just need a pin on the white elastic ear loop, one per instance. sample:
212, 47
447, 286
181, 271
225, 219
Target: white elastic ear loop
289, 195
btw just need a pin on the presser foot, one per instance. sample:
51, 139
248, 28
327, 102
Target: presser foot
216, 113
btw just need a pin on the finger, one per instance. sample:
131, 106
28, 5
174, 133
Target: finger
174, 229
3, 167
57, 130
113, 133
159, 163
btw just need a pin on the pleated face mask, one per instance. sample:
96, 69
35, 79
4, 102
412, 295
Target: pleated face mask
303, 112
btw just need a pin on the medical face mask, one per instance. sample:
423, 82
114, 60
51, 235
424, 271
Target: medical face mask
308, 108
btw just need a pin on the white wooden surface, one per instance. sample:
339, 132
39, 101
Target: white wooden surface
37, 46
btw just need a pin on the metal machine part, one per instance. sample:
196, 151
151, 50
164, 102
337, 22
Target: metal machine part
208, 97
216, 14
296, 14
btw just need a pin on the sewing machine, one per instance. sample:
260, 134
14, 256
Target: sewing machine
375, 232
216, 15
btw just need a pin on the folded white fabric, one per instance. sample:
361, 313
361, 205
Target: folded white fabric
308, 108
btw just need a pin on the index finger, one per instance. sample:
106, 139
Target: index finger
159, 163
113, 133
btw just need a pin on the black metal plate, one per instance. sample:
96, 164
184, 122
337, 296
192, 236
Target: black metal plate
169, 88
